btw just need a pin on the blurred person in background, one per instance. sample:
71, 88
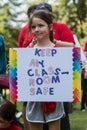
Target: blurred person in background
22, 38
84, 83
2, 58
8, 119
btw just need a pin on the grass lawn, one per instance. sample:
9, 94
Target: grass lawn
78, 119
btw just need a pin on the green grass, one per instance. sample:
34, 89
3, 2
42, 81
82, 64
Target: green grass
78, 119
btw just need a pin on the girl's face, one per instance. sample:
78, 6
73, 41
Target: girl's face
40, 29
4, 123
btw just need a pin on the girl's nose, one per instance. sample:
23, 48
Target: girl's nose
37, 28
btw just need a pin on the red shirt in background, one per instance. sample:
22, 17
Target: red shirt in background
60, 31
24, 39
12, 127
85, 46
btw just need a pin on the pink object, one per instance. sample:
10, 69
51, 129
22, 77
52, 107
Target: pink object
4, 81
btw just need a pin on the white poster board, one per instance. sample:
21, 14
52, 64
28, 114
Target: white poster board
44, 74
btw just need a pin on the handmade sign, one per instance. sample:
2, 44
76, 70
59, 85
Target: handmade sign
45, 74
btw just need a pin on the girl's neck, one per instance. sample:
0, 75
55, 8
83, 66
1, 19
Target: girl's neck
46, 43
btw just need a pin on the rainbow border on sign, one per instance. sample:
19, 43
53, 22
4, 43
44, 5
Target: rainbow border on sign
13, 75
76, 75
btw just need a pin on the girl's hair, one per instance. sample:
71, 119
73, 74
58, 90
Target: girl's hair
31, 9
8, 111
45, 16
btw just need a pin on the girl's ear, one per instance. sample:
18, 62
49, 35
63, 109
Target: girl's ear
51, 27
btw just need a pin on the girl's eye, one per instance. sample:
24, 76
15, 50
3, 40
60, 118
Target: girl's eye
41, 25
33, 27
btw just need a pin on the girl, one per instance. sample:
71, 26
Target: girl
7, 116
37, 113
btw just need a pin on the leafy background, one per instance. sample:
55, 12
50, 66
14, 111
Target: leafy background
13, 16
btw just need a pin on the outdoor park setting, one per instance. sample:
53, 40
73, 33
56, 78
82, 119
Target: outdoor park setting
33, 74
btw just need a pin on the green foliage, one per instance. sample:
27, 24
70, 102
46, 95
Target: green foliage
6, 28
11, 37
81, 10
74, 14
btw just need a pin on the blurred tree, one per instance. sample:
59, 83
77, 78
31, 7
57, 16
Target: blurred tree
9, 22
81, 15
74, 14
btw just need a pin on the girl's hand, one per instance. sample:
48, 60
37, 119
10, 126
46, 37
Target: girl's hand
64, 44
34, 41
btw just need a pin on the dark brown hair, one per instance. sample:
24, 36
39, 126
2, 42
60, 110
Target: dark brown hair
8, 111
31, 9
45, 16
